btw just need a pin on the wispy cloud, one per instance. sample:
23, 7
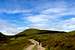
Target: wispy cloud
50, 19
15, 11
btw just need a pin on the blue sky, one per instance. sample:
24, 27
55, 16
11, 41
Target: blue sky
18, 15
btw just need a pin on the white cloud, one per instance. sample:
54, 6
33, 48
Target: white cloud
49, 19
15, 11
53, 11
69, 24
37, 18
9, 28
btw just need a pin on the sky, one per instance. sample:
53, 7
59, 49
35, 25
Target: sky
18, 15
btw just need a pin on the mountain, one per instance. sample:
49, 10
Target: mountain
33, 31
51, 40
29, 32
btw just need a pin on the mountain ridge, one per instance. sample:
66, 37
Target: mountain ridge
57, 40
38, 31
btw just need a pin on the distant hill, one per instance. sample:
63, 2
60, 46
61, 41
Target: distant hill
29, 32
33, 31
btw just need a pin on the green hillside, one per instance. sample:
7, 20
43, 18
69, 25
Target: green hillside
29, 32
51, 40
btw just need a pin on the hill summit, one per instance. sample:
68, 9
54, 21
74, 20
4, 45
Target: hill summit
33, 31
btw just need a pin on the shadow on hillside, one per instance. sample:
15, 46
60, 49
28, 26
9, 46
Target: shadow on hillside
50, 32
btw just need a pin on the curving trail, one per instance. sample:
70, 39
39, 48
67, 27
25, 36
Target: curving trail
30, 47
35, 43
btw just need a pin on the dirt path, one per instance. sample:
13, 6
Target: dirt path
30, 47
35, 43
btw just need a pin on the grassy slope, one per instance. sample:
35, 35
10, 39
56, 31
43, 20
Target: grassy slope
65, 41
15, 44
56, 41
